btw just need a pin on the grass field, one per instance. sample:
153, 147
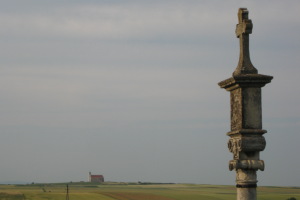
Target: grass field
125, 191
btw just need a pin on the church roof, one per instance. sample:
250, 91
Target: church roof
97, 176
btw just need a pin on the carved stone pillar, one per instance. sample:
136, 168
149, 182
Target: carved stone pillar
246, 135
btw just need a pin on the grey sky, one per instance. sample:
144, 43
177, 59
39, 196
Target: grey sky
129, 89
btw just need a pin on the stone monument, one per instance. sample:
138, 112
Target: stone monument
246, 135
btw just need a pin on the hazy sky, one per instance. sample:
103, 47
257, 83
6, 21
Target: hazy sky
128, 89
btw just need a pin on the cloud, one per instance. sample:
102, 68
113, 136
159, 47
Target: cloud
114, 21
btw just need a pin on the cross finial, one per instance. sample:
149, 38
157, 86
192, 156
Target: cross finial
245, 25
243, 29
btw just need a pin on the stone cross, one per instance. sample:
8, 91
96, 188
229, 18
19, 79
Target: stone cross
243, 29
246, 134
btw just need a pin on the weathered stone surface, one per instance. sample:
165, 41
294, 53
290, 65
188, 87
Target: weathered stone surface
247, 165
246, 193
239, 146
246, 178
246, 134
243, 29
236, 109
243, 81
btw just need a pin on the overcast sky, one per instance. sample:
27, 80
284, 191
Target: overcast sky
128, 89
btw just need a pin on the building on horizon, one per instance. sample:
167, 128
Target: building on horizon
96, 178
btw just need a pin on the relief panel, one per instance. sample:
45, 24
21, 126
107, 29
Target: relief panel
236, 109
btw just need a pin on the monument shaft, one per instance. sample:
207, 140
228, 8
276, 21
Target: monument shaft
246, 134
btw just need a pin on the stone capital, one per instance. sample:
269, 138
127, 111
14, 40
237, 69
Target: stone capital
241, 147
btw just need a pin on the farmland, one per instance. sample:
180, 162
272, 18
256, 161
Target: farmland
135, 191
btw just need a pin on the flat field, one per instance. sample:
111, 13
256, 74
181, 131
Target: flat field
134, 191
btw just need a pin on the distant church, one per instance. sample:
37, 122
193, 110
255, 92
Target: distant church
96, 178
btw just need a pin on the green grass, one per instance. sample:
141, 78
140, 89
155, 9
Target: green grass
11, 196
134, 191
